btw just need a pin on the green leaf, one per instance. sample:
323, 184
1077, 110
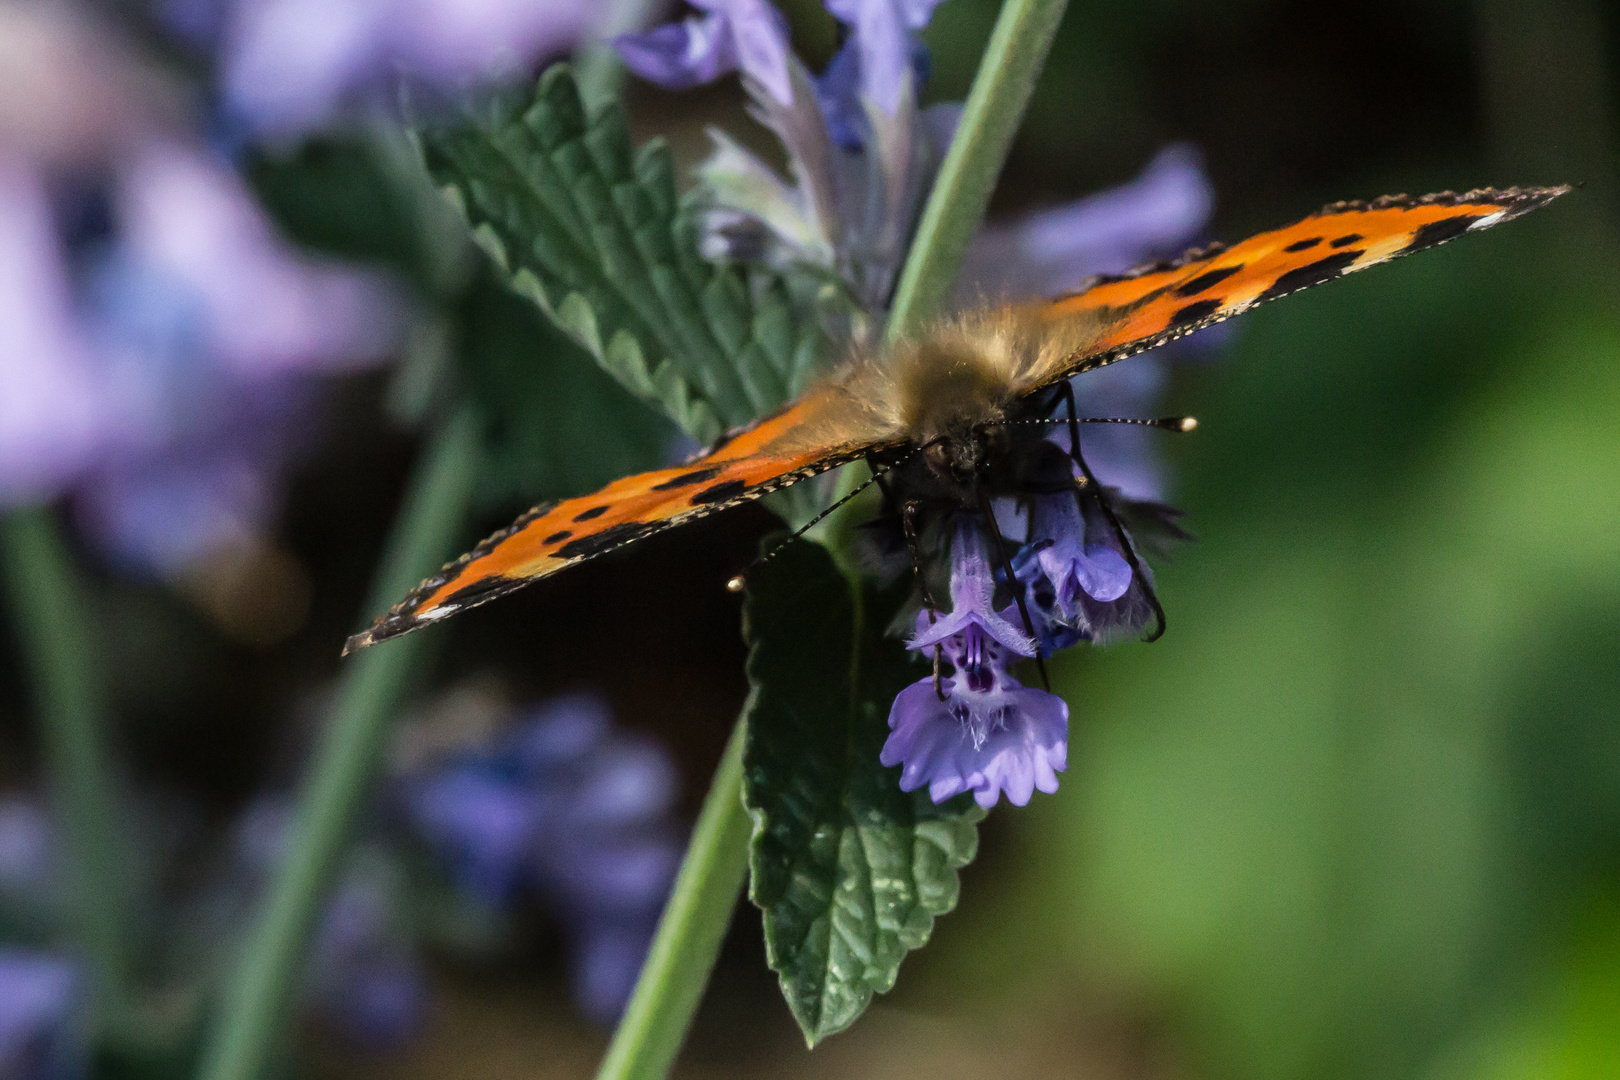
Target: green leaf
554, 424
593, 232
849, 870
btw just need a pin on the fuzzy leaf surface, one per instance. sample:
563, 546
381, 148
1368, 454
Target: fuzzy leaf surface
594, 232
849, 870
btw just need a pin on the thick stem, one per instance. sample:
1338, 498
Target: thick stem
990, 117
52, 623
694, 923
265, 982
690, 932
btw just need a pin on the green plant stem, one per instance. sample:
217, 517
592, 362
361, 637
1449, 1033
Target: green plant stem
967, 178
689, 933
52, 622
699, 909
995, 106
266, 978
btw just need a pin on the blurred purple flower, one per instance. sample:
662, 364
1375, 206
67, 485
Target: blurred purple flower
484, 826
43, 1017
882, 58
979, 730
574, 812
1053, 251
290, 66
366, 980
161, 367
750, 35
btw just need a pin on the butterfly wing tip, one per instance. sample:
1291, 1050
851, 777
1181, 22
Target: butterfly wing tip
357, 642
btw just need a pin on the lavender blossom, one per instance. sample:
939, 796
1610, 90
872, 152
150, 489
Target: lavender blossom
730, 35
980, 730
1076, 576
290, 66
161, 360
43, 1017
860, 150
565, 809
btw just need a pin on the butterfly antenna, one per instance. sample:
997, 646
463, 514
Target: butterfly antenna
1164, 423
1126, 547
737, 581
1018, 594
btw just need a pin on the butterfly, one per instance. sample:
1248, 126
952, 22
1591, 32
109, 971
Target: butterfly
938, 408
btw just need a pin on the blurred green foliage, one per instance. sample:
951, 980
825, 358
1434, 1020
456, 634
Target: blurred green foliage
1345, 814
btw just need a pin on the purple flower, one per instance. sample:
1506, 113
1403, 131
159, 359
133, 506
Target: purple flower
979, 730
1052, 251
485, 826
880, 63
293, 65
43, 1020
750, 35
365, 978
165, 369
1073, 572
563, 808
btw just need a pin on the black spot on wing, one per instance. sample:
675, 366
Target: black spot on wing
1346, 241
1207, 280
1195, 312
1303, 277
480, 591
1303, 245
1438, 232
606, 540
728, 489
696, 476
593, 512
559, 536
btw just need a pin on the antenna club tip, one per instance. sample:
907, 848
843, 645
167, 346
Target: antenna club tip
735, 583
1188, 423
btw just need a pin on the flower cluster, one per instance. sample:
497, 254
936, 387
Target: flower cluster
566, 809
160, 343
862, 153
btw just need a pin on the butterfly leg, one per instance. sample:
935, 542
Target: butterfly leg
1086, 480
908, 524
1018, 594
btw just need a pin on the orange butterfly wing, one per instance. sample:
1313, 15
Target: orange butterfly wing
1147, 307
1124, 315
758, 460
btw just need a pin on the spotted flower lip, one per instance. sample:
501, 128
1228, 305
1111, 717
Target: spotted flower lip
978, 730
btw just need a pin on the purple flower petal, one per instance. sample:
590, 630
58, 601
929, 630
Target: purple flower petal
56, 410
291, 65
750, 35
42, 1017
264, 309
1053, 251
681, 55
485, 826
1011, 738
973, 587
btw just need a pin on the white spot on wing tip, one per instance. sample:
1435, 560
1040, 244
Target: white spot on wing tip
1485, 221
438, 613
